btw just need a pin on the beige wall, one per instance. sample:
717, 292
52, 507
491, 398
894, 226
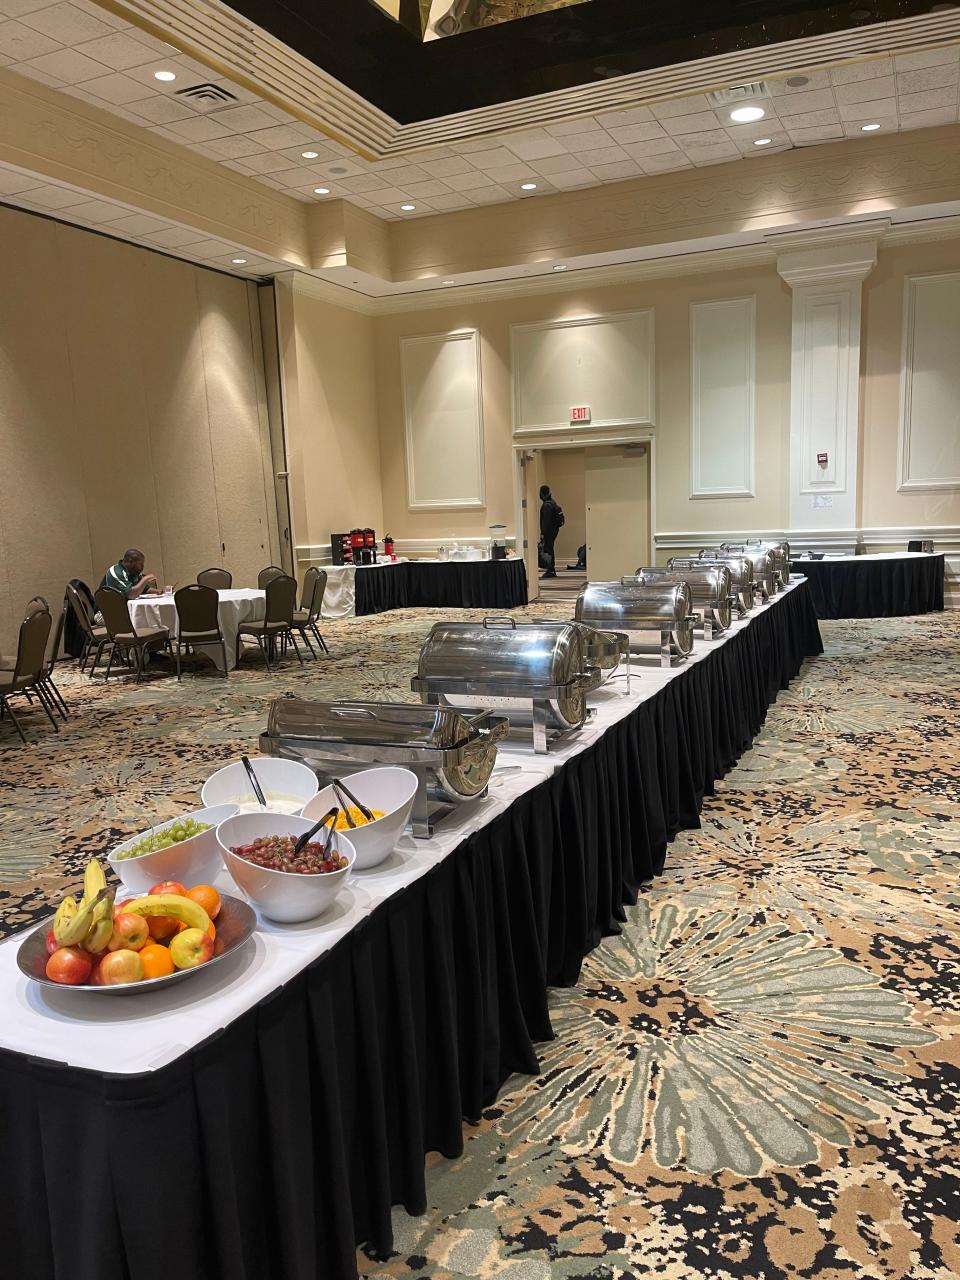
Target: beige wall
131, 413
564, 471
330, 406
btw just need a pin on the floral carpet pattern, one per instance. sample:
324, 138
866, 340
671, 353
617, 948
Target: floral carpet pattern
756, 1078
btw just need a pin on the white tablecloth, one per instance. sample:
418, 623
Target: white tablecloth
879, 555
141, 1032
340, 597
237, 605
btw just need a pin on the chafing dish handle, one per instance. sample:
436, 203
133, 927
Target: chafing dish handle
346, 712
499, 620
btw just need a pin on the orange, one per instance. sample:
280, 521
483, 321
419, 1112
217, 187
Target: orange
208, 898
162, 927
155, 960
212, 930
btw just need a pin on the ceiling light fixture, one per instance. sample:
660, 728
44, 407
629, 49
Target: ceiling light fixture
448, 282
309, 155
747, 115
528, 186
561, 266
408, 208
321, 191
869, 128
762, 142
239, 262
165, 75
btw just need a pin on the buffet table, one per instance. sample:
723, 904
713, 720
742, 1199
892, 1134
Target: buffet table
884, 585
236, 605
424, 584
270, 1112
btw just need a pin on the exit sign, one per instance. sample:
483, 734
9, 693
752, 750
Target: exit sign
580, 413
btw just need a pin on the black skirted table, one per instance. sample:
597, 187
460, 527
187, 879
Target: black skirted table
447, 584
269, 1148
874, 586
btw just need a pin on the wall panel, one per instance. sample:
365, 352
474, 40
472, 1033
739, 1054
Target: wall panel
723, 395
929, 431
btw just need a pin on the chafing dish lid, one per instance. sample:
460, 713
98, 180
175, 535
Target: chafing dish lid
497, 651
391, 723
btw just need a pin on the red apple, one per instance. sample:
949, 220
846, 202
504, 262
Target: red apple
69, 965
96, 977
190, 948
170, 886
51, 943
120, 966
120, 907
129, 931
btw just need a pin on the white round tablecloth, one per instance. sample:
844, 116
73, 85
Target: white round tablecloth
237, 605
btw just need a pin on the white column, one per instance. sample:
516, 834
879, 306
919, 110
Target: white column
825, 269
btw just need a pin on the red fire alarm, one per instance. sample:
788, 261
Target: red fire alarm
822, 459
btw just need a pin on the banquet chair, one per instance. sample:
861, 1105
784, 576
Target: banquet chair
268, 574
198, 620
53, 653
219, 579
277, 623
25, 677
311, 603
94, 634
124, 638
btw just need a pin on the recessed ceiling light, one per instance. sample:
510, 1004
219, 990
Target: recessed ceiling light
869, 128
561, 266
239, 262
408, 208
165, 75
762, 142
321, 191
746, 115
448, 282
309, 155
528, 186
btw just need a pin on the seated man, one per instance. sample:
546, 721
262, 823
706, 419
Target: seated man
127, 577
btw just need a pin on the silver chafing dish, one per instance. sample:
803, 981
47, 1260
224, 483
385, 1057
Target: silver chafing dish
711, 593
741, 574
452, 754
656, 617
779, 553
604, 649
539, 673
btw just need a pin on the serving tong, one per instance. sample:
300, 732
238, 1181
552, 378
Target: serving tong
347, 798
333, 813
254, 781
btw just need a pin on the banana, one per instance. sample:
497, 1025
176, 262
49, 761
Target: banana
65, 914
171, 904
76, 929
93, 881
101, 930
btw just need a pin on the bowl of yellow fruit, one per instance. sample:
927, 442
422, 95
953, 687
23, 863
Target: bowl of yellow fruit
387, 795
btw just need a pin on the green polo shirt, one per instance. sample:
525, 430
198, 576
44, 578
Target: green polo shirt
117, 579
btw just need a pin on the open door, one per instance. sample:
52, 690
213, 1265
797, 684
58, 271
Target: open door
617, 486
532, 480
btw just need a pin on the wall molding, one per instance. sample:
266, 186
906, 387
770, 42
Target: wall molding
912, 287
699, 488
417, 501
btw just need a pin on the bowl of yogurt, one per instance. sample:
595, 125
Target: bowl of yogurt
287, 786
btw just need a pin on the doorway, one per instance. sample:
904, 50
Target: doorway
605, 492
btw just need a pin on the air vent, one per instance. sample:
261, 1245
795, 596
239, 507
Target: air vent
738, 94
207, 93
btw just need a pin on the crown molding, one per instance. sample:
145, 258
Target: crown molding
326, 291
237, 48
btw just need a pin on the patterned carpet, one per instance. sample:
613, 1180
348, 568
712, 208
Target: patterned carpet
757, 1078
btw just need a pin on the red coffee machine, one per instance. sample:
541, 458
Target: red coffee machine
369, 546
388, 546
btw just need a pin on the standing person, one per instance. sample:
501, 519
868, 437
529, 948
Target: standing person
551, 522
127, 578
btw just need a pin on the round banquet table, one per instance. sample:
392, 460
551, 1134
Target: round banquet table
884, 585
237, 605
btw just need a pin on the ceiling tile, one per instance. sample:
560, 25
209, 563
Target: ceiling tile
854, 71
93, 211
819, 133
24, 69
401, 177
550, 165
234, 147
719, 137
159, 109
442, 168
66, 23
642, 151
282, 135
199, 129
620, 119
489, 195
665, 164
927, 58
468, 181
16, 8
117, 50
940, 77
616, 172
300, 176
53, 197
866, 90
265, 162
641, 132
242, 119
20, 43
929, 119
118, 88
584, 124
804, 119
429, 189
136, 224
453, 201
511, 173
392, 195
680, 107
533, 145
602, 155
495, 158
695, 122
815, 80
572, 178
592, 141
882, 109
365, 182
928, 99
172, 237
69, 66
806, 100
12, 182
208, 249
710, 155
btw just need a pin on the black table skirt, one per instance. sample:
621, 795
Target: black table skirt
874, 588
454, 584
276, 1145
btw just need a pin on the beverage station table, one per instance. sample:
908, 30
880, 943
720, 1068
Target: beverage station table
884, 585
270, 1113
424, 584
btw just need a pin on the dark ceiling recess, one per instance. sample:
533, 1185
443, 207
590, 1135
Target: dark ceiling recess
390, 66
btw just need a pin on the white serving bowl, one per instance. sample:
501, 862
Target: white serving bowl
280, 777
390, 790
193, 861
280, 895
